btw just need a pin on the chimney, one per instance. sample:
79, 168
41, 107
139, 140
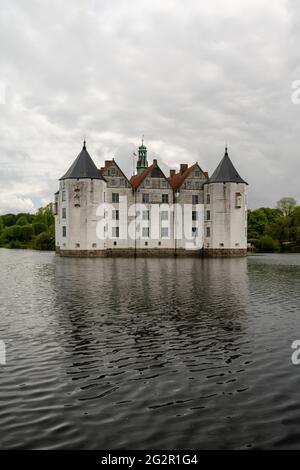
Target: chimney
155, 161
172, 173
183, 167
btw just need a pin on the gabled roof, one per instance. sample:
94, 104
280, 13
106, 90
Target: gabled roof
83, 167
108, 164
225, 172
178, 179
136, 180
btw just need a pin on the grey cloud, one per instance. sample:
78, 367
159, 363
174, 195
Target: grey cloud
191, 76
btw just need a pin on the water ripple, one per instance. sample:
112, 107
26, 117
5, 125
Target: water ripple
117, 353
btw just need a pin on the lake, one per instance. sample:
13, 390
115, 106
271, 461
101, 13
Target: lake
149, 353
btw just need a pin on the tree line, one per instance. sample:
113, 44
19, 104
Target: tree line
269, 229
275, 229
24, 230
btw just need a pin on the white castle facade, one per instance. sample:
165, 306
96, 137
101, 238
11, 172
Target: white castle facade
100, 212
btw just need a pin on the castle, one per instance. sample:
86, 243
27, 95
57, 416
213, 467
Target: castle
100, 212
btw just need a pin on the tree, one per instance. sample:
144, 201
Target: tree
9, 220
45, 215
39, 227
279, 229
266, 243
44, 241
286, 205
22, 220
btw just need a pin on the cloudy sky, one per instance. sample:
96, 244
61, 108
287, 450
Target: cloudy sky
191, 75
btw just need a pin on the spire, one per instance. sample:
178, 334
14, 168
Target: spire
142, 162
83, 167
226, 172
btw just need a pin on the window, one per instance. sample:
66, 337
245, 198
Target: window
147, 183
208, 199
195, 199
64, 231
115, 243
55, 208
146, 243
159, 243
194, 215
164, 184
145, 197
164, 232
63, 196
221, 245
197, 173
194, 231
77, 245
146, 232
112, 172
208, 231
165, 198
115, 197
64, 213
238, 200
164, 215
207, 215
146, 215
115, 215
115, 232
94, 245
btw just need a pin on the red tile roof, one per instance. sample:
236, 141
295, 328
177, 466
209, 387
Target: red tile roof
177, 180
136, 180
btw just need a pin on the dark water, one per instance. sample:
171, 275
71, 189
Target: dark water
149, 353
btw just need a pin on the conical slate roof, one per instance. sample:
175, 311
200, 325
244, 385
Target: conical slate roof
83, 167
225, 172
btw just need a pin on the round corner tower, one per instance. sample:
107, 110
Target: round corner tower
81, 190
225, 216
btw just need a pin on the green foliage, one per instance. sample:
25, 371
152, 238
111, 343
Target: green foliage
44, 241
15, 244
39, 227
45, 215
267, 243
274, 229
22, 220
28, 230
9, 220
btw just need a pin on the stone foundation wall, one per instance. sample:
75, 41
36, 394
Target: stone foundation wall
131, 253
152, 253
224, 252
